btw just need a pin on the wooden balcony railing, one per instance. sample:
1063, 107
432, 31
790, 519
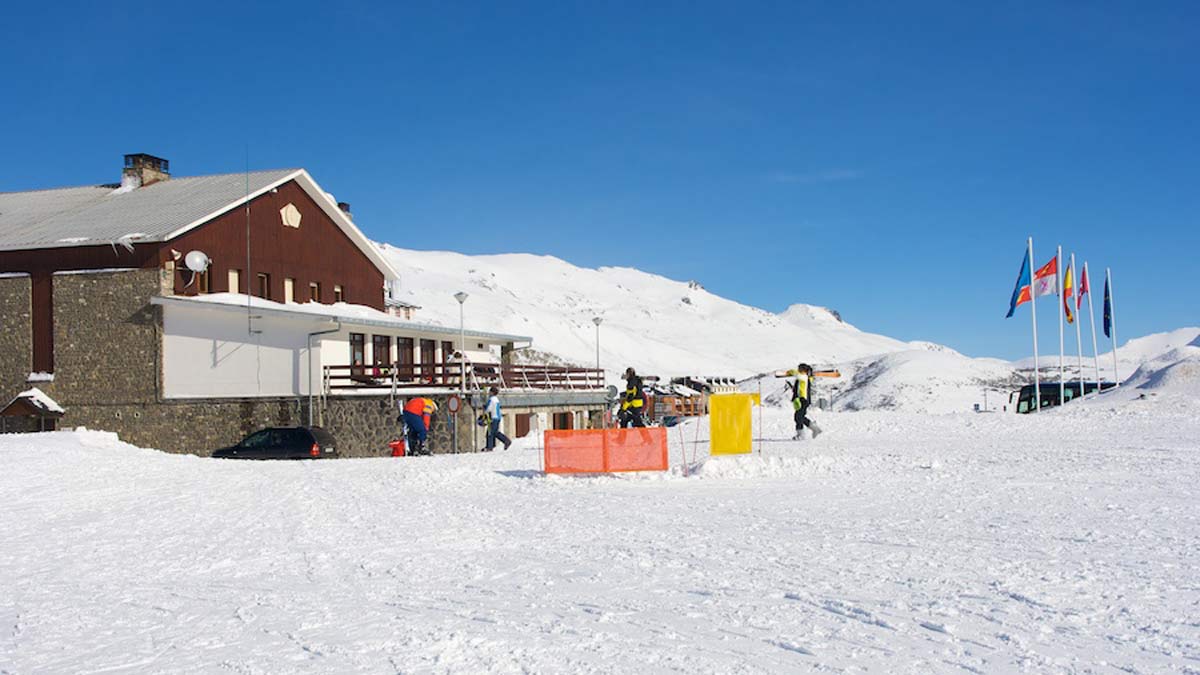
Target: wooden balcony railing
450, 376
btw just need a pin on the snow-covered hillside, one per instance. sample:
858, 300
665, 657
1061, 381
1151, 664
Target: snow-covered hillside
1130, 356
657, 325
666, 327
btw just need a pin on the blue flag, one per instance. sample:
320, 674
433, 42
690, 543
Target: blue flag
1021, 292
1107, 310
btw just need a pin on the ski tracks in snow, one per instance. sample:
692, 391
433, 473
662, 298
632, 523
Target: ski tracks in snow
900, 543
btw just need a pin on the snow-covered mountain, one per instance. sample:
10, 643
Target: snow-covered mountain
657, 325
668, 328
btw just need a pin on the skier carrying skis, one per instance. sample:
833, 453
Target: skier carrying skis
801, 395
633, 403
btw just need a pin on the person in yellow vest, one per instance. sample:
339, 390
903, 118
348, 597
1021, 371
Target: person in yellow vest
633, 403
801, 390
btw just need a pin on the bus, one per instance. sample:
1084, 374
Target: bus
1025, 396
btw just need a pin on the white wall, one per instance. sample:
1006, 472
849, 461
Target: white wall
209, 353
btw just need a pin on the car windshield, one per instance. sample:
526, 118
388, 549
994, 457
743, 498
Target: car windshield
257, 440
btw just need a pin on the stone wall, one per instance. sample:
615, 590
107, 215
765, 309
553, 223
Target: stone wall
186, 426
106, 338
16, 336
362, 426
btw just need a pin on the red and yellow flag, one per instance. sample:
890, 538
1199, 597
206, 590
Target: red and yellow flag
1068, 291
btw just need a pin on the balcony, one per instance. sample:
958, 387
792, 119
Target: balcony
349, 379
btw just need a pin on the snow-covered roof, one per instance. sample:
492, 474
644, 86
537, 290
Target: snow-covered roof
91, 215
38, 400
346, 313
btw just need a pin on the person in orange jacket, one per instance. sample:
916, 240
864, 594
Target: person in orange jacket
418, 415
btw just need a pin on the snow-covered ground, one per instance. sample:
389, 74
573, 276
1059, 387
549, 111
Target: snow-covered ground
1067, 541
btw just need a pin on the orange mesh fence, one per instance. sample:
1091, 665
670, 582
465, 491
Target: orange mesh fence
607, 450
637, 449
571, 451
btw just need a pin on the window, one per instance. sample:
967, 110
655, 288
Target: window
289, 290
428, 359
447, 352
261, 439
564, 420
404, 356
358, 349
235, 281
202, 285
314, 291
264, 285
381, 350
337, 293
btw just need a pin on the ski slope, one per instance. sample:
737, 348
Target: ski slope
669, 328
1067, 541
657, 325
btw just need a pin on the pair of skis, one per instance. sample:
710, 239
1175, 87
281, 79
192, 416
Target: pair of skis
816, 373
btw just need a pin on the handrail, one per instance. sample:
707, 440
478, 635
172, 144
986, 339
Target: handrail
398, 376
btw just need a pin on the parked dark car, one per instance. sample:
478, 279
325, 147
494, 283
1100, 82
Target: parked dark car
282, 443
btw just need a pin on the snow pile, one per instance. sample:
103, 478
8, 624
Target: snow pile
896, 542
659, 326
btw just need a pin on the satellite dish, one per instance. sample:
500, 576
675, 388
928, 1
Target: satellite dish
197, 261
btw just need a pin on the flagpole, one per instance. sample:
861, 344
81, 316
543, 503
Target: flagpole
1037, 375
1112, 318
1078, 330
1092, 316
1062, 367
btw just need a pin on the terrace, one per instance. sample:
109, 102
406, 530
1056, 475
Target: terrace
455, 375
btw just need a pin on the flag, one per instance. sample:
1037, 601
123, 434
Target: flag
1045, 282
1084, 287
1068, 293
1107, 311
1022, 287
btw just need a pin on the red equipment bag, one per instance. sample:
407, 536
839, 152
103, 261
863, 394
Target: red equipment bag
397, 446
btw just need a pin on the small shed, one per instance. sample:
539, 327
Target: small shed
33, 410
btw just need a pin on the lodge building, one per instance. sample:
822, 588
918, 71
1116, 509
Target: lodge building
184, 313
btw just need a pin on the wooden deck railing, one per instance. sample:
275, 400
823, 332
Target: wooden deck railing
450, 375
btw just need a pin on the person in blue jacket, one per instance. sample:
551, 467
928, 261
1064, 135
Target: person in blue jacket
492, 411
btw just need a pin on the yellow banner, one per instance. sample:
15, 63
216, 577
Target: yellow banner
729, 423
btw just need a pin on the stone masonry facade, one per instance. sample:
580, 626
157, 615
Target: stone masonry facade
108, 361
16, 335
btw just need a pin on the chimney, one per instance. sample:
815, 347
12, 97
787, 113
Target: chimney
345, 207
142, 170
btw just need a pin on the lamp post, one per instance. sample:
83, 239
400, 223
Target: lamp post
461, 297
599, 373
598, 320
462, 331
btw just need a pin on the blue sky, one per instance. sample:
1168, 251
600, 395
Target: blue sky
887, 160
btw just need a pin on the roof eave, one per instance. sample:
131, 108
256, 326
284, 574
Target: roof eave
346, 320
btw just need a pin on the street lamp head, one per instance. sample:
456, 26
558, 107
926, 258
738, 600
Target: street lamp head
597, 320
460, 297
